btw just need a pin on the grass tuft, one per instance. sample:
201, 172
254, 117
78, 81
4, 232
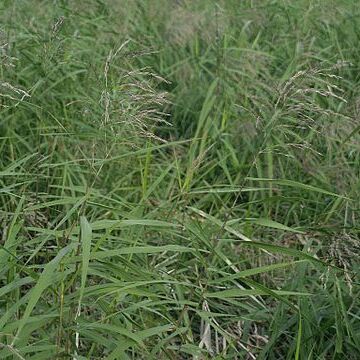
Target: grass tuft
179, 179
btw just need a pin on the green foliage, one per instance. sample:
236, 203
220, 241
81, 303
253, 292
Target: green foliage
179, 179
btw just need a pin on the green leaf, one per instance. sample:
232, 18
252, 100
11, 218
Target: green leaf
273, 224
43, 282
234, 293
139, 250
298, 185
220, 224
284, 250
86, 235
253, 271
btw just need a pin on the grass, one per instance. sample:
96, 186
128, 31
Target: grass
179, 180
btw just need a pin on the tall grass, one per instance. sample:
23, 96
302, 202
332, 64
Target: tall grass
179, 180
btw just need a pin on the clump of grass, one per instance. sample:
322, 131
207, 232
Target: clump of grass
181, 202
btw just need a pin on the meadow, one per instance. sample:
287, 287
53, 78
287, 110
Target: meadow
179, 179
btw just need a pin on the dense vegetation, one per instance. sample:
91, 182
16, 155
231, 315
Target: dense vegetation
179, 179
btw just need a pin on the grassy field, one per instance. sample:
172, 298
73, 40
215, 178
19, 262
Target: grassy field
179, 179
